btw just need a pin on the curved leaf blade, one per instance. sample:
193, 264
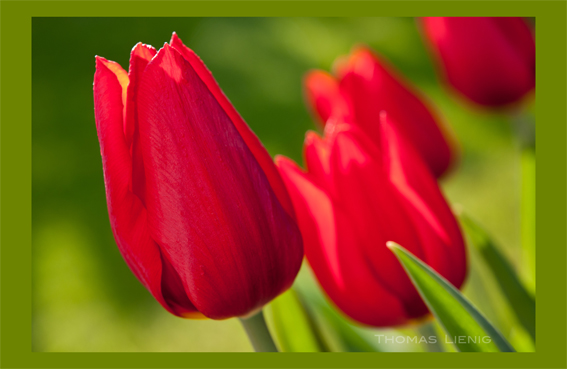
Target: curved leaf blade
521, 302
333, 329
291, 325
468, 329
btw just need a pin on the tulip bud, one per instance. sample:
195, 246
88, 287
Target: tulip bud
364, 86
489, 60
355, 197
197, 207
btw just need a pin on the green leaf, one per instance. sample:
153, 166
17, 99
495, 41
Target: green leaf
345, 335
335, 331
521, 302
467, 328
291, 325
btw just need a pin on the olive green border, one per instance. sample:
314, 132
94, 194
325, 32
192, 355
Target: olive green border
16, 117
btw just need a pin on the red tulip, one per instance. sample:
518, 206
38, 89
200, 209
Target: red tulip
364, 86
196, 205
491, 61
354, 198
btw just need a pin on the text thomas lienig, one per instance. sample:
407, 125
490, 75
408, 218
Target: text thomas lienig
432, 339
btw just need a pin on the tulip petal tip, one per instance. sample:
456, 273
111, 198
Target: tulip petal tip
175, 39
310, 136
282, 161
100, 61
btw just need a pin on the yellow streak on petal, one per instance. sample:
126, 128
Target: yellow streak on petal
193, 315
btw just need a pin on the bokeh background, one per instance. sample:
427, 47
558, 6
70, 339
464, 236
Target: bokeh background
84, 296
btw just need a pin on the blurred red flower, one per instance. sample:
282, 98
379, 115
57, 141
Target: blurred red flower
357, 195
490, 60
364, 86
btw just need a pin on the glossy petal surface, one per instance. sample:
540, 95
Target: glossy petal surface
197, 207
253, 143
211, 207
128, 217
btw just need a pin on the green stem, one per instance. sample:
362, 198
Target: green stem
528, 207
428, 330
523, 125
258, 333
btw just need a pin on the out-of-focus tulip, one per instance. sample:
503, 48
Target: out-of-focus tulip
364, 86
354, 197
196, 205
491, 61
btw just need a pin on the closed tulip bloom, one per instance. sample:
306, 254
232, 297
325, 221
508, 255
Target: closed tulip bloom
489, 60
355, 197
197, 207
364, 85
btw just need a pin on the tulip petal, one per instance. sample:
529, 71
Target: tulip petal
490, 60
119, 73
373, 86
324, 97
434, 221
128, 218
332, 251
519, 37
210, 206
139, 58
253, 143
359, 179
317, 155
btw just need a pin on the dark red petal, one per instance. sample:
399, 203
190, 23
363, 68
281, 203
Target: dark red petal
211, 208
139, 58
519, 36
324, 97
373, 86
253, 143
128, 217
434, 221
489, 60
332, 249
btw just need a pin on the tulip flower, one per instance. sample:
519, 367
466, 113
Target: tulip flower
364, 86
356, 196
491, 61
197, 207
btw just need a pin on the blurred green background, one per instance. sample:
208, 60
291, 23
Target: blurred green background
84, 296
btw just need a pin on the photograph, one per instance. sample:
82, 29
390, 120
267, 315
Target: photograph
283, 184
